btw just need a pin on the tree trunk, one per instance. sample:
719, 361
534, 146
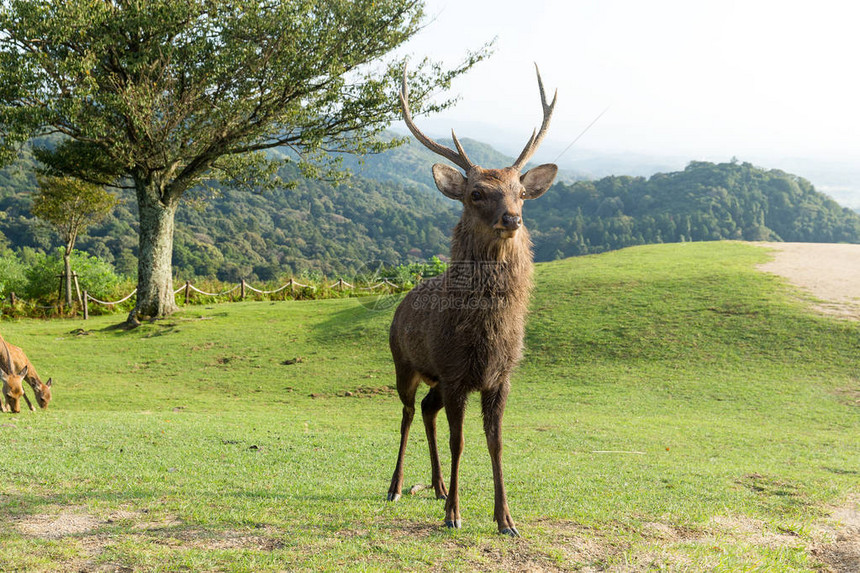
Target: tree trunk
67, 269
155, 297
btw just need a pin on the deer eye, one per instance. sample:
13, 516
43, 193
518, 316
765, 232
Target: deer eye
523, 194
477, 196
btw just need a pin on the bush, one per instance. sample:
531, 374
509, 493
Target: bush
12, 275
412, 272
94, 275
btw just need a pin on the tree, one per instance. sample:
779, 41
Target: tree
70, 205
164, 95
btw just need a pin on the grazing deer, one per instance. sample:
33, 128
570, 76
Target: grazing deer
462, 331
12, 361
12, 379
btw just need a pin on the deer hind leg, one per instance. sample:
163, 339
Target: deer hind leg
493, 408
407, 384
430, 406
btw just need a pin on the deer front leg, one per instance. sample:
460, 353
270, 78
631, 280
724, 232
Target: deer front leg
29, 405
396, 487
430, 406
407, 384
455, 409
493, 406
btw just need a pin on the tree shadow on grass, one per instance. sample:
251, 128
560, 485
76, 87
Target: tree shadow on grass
365, 322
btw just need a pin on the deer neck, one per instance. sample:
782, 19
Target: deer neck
501, 267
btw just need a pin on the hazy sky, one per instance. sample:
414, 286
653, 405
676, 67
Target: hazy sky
754, 78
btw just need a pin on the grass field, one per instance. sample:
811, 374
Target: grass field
676, 409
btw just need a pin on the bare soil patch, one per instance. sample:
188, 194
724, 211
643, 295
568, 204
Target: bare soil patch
849, 396
69, 522
842, 552
828, 272
93, 537
553, 546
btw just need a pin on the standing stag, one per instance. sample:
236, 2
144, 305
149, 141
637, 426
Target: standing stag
462, 331
16, 368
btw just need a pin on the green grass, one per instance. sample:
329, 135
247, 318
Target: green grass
224, 439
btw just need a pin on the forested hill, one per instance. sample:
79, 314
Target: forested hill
240, 234
704, 202
398, 217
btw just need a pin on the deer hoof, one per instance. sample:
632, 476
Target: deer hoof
453, 523
393, 496
510, 531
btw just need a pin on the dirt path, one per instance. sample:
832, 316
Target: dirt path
829, 272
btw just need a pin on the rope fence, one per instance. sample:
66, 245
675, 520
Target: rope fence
88, 296
204, 293
291, 284
242, 287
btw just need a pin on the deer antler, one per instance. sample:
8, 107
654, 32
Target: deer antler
537, 136
458, 157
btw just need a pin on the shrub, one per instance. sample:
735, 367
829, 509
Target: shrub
94, 275
409, 273
12, 275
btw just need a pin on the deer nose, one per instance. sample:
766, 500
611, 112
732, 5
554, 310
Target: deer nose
511, 222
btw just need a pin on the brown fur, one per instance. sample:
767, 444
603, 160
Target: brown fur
462, 332
12, 391
20, 363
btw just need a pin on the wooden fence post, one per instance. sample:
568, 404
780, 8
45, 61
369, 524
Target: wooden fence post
86, 306
12, 298
187, 291
60, 292
77, 287
242, 289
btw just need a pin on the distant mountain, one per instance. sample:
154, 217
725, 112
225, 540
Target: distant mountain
314, 227
392, 211
594, 165
704, 202
838, 178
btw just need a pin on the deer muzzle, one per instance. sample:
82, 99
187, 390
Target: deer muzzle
508, 225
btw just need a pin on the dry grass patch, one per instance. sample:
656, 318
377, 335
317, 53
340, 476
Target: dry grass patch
842, 550
68, 522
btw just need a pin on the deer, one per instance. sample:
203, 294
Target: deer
15, 367
462, 331
12, 384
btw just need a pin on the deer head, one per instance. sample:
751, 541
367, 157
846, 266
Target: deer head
12, 382
43, 393
492, 198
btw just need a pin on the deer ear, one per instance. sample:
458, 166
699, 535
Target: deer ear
23, 371
450, 182
537, 180
48, 383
